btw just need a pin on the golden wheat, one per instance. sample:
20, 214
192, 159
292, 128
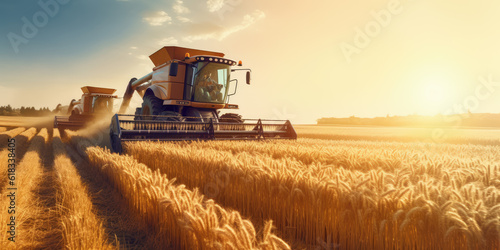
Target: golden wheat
28, 174
19, 148
188, 221
324, 193
82, 229
439, 135
339, 195
3, 129
4, 136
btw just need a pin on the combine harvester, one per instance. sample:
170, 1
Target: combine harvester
182, 98
95, 102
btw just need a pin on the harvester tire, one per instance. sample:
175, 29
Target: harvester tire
152, 105
231, 117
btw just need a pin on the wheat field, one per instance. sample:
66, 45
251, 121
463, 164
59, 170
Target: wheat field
326, 190
399, 195
451, 135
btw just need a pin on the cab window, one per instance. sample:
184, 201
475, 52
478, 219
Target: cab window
210, 82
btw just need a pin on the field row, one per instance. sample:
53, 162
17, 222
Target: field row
50, 205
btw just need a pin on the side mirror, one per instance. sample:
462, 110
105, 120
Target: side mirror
174, 68
248, 77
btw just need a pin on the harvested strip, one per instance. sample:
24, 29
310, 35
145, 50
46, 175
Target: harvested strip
28, 174
21, 144
3, 129
82, 229
120, 223
47, 229
173, 211
4, 136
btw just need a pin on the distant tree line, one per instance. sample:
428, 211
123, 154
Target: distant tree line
24, 111
458, 120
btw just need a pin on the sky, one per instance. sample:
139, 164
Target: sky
309, 59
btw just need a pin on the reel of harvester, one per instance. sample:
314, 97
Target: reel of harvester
160, 128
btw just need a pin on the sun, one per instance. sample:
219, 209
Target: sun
435, 93
435, 96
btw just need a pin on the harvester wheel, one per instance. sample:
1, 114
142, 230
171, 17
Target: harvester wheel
231, 117
151, 105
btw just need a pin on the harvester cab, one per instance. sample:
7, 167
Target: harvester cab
95, 101
182, 98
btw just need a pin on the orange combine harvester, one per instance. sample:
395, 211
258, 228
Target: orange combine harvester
94, 101
182, 98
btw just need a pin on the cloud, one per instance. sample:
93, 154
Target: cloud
133, 47
143, 57
203, 27
158, 19
168, 41
179, 8
215, 5
184, 19
248, 20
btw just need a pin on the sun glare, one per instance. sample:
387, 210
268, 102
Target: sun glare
436, 95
